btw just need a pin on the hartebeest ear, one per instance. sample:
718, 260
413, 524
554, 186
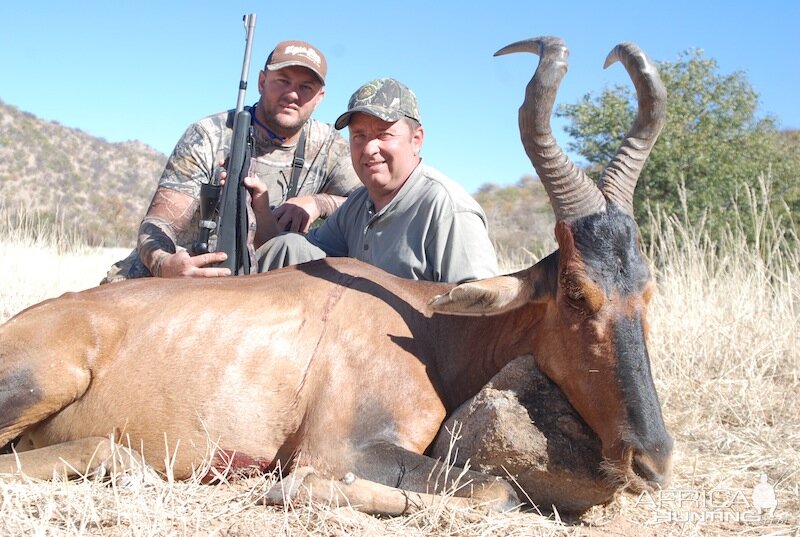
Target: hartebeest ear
485, 297
565, 240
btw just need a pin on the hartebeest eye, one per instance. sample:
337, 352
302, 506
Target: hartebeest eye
649, 290
582, 293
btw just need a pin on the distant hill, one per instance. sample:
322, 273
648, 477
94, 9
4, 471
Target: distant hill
101, 188
520, 217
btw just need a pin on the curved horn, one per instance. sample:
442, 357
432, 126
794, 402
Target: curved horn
572, 193
619, 178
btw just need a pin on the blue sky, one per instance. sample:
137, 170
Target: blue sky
144, 70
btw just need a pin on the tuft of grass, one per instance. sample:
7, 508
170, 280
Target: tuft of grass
25, 226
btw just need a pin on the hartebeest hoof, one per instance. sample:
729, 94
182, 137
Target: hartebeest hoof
122, 465
287, 488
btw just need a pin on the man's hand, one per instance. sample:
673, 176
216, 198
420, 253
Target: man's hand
297, 214
182, 265
266, 228
259, 198
168, 217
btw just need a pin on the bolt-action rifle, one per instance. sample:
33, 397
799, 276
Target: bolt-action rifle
224, 208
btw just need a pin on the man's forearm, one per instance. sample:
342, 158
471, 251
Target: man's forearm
327, 203
156, 242
169, 216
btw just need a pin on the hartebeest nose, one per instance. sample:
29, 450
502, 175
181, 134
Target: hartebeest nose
654, 466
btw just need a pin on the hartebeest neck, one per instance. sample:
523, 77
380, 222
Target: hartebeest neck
471, 350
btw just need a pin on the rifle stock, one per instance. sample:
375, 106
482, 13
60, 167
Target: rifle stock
224, 208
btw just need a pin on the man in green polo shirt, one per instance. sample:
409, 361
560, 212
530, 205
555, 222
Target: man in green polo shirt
408, 218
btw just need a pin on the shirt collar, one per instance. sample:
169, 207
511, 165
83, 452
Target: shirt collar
408, 186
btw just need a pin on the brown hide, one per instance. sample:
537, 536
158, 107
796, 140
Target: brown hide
259, 365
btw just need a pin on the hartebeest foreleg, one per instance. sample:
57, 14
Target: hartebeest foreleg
373, 498
467, 489
387, 479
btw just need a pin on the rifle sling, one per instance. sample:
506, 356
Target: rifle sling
299, 156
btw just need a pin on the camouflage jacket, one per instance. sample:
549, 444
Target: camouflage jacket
327, 169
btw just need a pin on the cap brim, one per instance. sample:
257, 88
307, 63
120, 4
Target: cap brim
386, 114
281, 65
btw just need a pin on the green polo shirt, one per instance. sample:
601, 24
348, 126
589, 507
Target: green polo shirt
432, 230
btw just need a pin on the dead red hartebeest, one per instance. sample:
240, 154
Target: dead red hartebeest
350, 367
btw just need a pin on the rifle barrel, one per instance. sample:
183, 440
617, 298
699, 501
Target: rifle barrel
249, 25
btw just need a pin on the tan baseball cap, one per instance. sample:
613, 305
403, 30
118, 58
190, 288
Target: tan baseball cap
300, 53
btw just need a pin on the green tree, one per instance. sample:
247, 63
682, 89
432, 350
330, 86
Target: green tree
713, 142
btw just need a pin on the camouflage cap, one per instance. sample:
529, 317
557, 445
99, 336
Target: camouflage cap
300, 53
384, 98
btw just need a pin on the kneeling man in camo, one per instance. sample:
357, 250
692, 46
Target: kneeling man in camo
408, 218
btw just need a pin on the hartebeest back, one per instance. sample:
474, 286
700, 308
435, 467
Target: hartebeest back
347, 369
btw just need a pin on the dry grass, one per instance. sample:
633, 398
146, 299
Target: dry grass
42, 258
725, 359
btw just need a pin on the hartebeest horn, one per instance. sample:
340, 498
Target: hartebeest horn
572, 193
619, 178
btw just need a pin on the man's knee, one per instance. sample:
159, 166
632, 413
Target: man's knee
286, 249
126, 269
